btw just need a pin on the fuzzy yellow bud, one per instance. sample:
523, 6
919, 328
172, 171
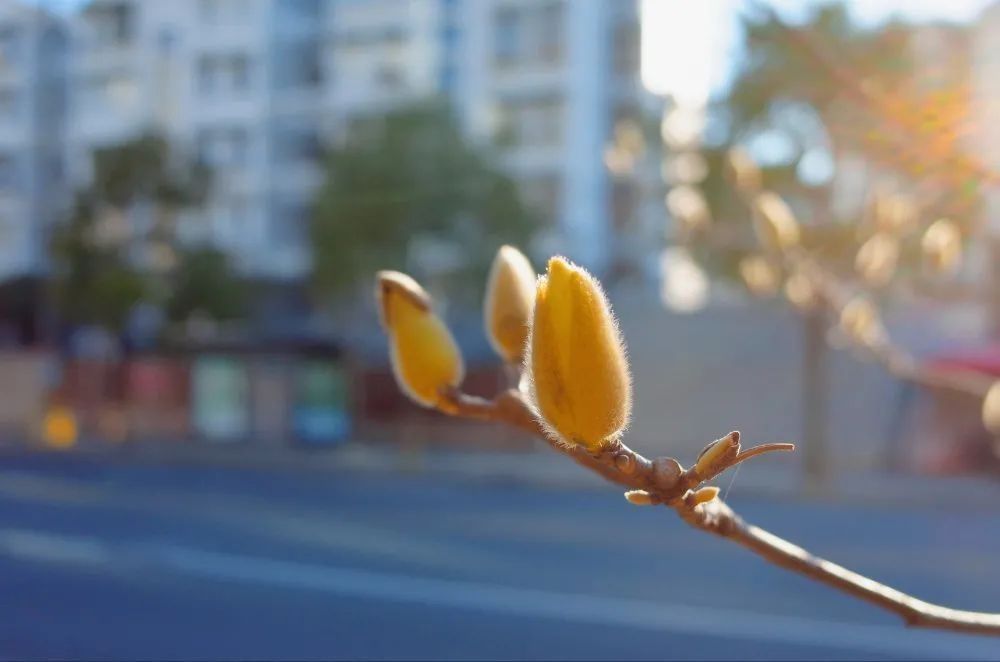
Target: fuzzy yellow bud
425, 358
687, 206
742, 171
774, 223
759, 275
580, 383
942, 246
510, 300
991, 409
877, 259
861, 322
704, 495
639, 498
801, 292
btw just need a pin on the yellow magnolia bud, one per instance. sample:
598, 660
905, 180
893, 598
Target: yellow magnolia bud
861, 322
774, 223
759, 275
716, 455
877, 259
510, 299
424, 356
580, 383
942, 246
991, 409
704, 495
743, 173
639, 498
800, 291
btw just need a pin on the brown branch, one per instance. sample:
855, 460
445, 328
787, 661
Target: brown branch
666, 482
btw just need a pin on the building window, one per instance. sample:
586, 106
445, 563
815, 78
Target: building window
219, 75
529, 34
9, 105
9, 173
288, 223
220, 147
532, 121
10, 47
626, 47
296, 141
299, 65
111, 24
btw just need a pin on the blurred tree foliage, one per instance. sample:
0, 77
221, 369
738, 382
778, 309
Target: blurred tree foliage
205, 285
408, 191
828, 84
106, 261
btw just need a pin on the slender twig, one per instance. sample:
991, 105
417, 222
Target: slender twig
667, 483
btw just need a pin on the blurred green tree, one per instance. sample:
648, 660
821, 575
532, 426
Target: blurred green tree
408, 190
205, 285
118, 246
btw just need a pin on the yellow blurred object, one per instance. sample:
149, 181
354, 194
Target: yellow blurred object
801, 292
59, 429
861, 322
894, 213
877, 259
425, 358
743, 172
991, 409
687, 206
942, 246
774, 223
509, 302
759, 275
580, 383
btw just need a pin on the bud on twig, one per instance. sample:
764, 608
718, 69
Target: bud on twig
760, 275
942, 246
877, 259
580, 382
423, 353
861, 322
775, 225
704, 495
639, 498
743, 172
687, 206
801, 292
509, 302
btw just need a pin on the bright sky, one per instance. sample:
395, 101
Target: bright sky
689, 47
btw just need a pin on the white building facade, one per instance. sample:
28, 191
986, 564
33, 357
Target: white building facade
32, 59
254, 88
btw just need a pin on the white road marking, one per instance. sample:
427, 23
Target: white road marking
519, 602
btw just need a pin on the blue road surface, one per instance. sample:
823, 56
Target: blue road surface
125, 560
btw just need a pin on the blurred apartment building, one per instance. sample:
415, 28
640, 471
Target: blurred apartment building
255, 88
32, 88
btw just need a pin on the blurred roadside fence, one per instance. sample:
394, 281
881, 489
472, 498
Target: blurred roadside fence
246, 395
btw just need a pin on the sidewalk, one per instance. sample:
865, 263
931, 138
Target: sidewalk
767, 477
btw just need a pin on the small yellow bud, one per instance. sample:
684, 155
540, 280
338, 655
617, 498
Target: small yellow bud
716, 455
704, 495
742, 171
861, 322
801, 292
580, 383
687, 206
942, 246
759, 275
639, 498
991, 409
877, 259
894, 213
774, 223
424, 356
510, 300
